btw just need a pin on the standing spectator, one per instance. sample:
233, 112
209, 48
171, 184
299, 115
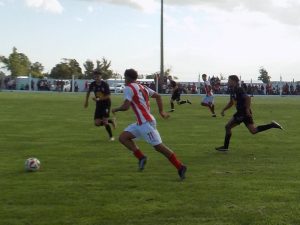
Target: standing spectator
32, 85
292, 89
76, 86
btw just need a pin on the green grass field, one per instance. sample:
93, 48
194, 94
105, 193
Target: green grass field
86, 180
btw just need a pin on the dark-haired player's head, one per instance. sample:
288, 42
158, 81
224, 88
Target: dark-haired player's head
204, 77
130, 75
97, 75
233, 81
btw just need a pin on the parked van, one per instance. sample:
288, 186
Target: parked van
117, 88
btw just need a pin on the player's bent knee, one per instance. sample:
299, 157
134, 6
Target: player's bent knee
122, 138
227, 128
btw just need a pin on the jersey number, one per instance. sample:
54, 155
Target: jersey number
150, 135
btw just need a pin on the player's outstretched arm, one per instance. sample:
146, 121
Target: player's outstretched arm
86, 103
248, 105
124, 107
229, 104
160, 106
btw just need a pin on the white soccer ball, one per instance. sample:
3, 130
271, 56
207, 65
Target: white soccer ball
32, 164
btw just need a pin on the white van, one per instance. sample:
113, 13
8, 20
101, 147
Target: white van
117, 88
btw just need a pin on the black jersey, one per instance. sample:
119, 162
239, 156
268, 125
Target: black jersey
173, 84
237, 95
100, 90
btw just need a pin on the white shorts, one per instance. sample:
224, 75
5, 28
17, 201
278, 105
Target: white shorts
147, 131
208, 99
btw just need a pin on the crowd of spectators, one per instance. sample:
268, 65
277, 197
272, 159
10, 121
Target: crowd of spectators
272, 88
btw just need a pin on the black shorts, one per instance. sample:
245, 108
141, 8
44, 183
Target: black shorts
102, 109
176, 95
243, 118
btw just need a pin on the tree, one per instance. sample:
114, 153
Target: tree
66, 69
103, 67
74, 66
152, 76
89, 69
61, 70
17, 63
264, 75
37, 70
4, 61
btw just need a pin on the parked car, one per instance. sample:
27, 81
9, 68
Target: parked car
117, 88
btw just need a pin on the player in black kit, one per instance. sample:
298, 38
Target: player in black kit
239, 97
175, 95
103, 103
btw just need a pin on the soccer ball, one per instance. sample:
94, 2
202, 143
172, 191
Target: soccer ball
32, 164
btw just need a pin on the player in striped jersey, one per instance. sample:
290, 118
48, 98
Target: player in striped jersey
137, 96
208, 100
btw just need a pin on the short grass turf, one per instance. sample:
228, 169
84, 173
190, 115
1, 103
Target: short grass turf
86, 180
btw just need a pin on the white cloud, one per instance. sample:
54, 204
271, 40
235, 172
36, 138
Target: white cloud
90, 9
284, 11
52, 6
148, 6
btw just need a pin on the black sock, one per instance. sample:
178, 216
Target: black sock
182, 102
108, 129
264, 127
172, 105
227, 140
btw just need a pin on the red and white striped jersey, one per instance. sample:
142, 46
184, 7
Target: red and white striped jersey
139, 95
208, 88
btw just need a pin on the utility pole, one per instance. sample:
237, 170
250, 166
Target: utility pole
161, 75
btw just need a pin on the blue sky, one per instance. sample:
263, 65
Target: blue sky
201, 36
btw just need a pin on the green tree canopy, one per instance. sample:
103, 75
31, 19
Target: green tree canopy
66, 69
37, 70
61, 70
152, 76
104, 67
264, 75
89, 69
19, 65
